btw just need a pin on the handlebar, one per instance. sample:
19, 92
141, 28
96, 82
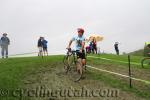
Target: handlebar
72, 51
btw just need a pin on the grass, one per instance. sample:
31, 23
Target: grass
14, 70
116, 81
136, 59
137, 52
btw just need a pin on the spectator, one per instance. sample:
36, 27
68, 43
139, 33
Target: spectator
94, 44
116, 48
40, 46
88, 49
44, 43
4, 42
91, 46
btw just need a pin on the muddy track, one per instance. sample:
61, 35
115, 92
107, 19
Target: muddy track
53, 79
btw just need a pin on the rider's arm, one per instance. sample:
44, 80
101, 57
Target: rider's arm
70, 42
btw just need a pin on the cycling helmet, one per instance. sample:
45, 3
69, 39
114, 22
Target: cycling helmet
80, 30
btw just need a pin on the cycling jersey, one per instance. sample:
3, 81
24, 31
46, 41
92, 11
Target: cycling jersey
78, 41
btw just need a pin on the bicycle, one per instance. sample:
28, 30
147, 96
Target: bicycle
145, 61
72, 65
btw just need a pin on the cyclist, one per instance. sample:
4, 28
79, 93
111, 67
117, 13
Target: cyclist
80, 43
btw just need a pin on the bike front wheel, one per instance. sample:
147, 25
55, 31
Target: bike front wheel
68, 62
76, 71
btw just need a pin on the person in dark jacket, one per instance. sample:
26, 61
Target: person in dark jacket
40, 46
4, 42
44, 43
116, 48
94, 44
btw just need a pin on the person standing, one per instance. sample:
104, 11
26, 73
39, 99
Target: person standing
4, 42
94, 46
40, 46
116, 48
44, 43
91, 46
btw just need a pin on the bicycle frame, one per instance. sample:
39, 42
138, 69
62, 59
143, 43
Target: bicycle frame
72, 53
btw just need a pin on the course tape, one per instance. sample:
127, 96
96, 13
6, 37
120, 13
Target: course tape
126, 76
133, 63
23, 54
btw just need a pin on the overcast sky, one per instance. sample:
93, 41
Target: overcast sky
125, 21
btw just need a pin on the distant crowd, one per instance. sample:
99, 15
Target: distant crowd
42, 46
5, 42
92, 48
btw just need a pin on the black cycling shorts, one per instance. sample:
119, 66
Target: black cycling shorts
81, 55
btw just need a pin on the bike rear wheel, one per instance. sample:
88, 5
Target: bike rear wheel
145, 62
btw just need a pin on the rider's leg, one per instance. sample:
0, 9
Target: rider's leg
79, 65
84, 59
83, 62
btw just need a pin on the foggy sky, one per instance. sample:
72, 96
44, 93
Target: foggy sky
124, 21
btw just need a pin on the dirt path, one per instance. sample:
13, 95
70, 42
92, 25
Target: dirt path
53, 79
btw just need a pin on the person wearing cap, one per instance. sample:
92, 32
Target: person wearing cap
4, 42
80, 43
40, 46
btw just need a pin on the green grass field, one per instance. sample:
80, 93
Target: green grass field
31, 72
